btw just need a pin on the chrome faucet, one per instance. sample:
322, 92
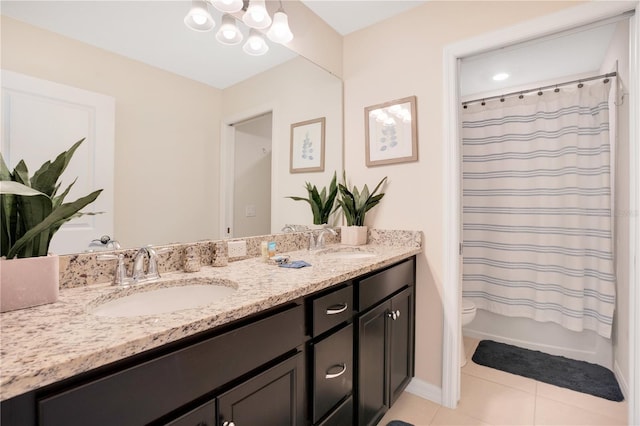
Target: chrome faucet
316, 242
320, 239
138, 273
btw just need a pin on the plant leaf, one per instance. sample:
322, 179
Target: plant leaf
48, 174
63, 212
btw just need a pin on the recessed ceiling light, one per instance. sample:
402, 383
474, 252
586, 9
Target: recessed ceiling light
500, 76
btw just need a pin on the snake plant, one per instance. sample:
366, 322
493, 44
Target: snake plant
321, 202
356, 203
31, 211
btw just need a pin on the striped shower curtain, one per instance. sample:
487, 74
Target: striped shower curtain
537, 222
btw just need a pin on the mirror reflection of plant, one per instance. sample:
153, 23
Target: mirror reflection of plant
321, 202
356, 203
31, 211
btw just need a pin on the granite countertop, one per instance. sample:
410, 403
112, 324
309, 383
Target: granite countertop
45, 344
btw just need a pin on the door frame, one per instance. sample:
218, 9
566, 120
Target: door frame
563, 20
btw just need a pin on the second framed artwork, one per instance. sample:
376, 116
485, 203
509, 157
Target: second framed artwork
307, 146
391, 132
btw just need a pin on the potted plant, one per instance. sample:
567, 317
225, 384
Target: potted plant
355, 204
321, 202
31, 212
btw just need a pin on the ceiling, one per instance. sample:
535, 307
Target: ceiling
572, 53
153, 32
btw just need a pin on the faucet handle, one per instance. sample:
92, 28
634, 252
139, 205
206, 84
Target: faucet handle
120, 274
152, 269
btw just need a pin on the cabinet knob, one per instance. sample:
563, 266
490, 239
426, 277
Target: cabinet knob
228, 424
343, 368
392, 315
337, 309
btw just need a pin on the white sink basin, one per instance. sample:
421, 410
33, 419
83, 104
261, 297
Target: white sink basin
350, 255
162, 300
347, 254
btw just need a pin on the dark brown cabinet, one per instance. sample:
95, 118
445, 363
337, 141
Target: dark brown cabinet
385, 340
340, 357
272, 398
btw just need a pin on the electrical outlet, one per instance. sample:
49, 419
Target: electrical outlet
237, 248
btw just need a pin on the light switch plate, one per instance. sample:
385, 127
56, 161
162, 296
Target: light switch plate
237, 248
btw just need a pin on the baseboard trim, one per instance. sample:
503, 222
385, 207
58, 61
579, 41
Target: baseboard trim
425, 390
622, 381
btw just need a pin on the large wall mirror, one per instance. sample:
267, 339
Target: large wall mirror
179, 128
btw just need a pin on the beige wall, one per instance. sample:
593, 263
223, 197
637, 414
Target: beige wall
296, 91
167, 133
400, 57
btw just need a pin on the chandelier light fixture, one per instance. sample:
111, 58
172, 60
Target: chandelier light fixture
255, 16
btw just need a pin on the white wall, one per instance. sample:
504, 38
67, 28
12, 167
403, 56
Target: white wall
619, 51
167, 133
400, 57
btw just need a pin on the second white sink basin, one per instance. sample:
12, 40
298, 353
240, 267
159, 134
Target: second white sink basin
346, 253
162, 300
349, 255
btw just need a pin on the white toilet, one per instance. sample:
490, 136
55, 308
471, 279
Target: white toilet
468, 314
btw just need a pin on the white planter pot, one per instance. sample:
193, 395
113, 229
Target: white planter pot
29, 282
353, 235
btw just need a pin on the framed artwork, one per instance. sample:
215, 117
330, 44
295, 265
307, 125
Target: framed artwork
307, 146
391, 132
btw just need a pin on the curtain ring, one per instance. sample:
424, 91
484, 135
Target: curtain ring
521, 96
464, 106
483, 103
556, 90
606, 80
540, 93
502, 99
580, 85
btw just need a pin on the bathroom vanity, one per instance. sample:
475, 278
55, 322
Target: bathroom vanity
327, 345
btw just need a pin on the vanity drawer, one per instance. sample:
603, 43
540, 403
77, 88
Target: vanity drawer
341, 416
379, 286
144, 392
333, 371
331, 310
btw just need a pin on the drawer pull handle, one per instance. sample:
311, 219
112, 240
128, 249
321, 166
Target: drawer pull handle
337, 309
394, 315
343, 368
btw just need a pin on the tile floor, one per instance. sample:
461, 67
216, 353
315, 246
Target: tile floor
493, 397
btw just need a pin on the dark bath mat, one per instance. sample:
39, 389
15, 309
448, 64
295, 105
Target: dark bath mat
398, 423
579, 376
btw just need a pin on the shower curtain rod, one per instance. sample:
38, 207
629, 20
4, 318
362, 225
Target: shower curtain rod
540, 89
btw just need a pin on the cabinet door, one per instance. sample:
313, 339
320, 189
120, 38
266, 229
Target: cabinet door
372, 361
401, 343
273, 398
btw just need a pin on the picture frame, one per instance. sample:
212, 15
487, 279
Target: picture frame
307, 146
391, 132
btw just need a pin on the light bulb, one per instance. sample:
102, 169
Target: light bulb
255, 44
279, 31
228, 33
198, 18
256, 15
